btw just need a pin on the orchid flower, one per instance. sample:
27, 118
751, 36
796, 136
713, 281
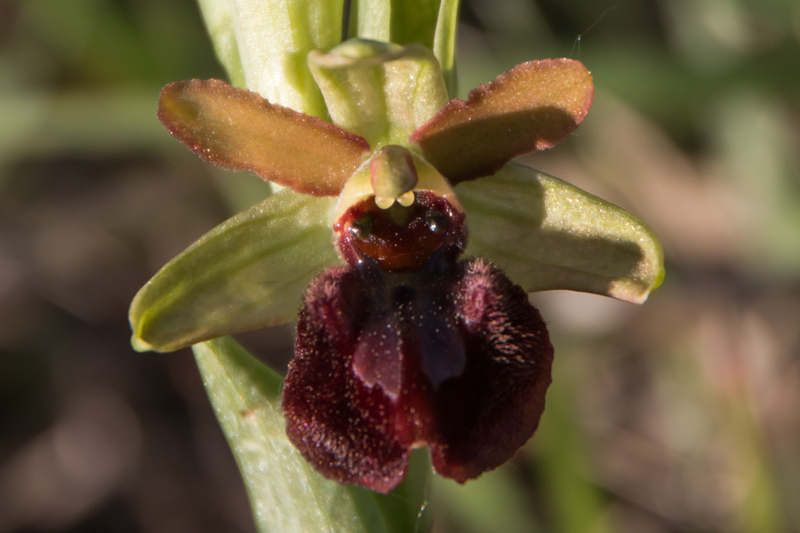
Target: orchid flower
408, 240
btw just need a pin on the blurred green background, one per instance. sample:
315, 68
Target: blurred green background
682, 415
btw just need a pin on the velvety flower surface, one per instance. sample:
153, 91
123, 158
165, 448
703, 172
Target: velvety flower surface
401, 343
449, 354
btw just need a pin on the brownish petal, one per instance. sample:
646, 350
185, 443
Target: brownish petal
530, 107
239, 130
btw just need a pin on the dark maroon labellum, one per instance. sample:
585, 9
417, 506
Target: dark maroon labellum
408, 347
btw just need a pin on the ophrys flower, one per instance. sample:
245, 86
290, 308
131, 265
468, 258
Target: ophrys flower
406, 345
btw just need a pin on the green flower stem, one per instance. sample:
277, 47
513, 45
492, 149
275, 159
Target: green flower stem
286, 494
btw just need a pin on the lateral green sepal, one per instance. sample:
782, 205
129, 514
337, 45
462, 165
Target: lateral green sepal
247, 273
547, 234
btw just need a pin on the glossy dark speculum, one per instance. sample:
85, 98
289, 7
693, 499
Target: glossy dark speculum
408, 347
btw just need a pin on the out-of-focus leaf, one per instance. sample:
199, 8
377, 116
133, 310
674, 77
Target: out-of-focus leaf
530, 107
94, 38
239, 130
96, 122
286, 494
269, 40
379, 91
494, 502
563, 466
547, 234
756, 141
247, 273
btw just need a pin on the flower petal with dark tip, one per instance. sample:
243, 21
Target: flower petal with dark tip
239, 130
533, 106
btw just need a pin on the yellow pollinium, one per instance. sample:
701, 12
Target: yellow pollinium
392, 174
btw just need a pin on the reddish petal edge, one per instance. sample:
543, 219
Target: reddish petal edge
531, 107
238, 129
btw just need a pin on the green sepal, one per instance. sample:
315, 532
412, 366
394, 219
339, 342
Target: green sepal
379, 91
547, 234
263, 45
286, 494
249, 272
